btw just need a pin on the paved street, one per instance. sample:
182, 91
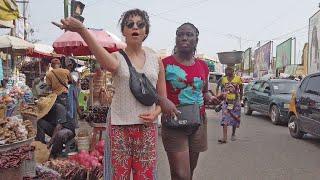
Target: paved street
263, 151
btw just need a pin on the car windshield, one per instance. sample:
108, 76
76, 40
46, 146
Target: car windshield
284, 87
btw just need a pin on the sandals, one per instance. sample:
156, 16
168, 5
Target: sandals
221, 141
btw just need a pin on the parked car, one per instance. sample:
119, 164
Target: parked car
304, 114
270, 97
246, 88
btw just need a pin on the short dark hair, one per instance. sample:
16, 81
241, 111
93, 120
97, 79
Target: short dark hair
135, 12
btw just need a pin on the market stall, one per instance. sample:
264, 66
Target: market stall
85, 161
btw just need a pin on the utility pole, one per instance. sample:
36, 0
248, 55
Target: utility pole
66, 8
238, 38
25, 34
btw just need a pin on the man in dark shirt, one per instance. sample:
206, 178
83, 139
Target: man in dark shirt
58, 127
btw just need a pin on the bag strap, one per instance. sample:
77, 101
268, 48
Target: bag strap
60, 81
124, 54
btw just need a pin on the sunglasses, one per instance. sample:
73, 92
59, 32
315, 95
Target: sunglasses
140, 25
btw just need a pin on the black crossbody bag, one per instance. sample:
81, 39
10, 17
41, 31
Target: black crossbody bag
188, 118
140, 86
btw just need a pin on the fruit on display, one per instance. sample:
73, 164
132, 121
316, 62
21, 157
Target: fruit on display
84, 83
96, 114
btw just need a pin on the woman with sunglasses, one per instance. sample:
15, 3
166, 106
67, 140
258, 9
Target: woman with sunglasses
187, 84
133, 131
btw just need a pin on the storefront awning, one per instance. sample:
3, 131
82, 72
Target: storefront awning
6, 24
9, 10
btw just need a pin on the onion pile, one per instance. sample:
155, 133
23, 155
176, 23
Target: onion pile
90, 160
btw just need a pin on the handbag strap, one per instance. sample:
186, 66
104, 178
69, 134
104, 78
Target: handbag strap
60, 81
124, 54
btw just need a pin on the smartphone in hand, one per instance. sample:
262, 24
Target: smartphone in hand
57, 24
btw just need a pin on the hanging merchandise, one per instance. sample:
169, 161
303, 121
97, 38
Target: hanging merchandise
34, 69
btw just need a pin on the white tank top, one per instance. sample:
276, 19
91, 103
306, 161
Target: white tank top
125, 109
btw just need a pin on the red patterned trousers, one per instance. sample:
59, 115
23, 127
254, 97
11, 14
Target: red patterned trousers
134, 147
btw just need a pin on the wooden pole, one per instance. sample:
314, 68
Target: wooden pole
66, 9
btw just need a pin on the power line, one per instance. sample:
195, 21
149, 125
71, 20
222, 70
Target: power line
178, 22
191, 4
194, 3
290, 33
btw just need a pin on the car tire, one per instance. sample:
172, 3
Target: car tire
247, 110
274, 115
294, 127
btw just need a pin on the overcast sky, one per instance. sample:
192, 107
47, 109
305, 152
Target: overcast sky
221, 23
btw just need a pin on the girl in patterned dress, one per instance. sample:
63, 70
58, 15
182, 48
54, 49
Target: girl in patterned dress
231, 107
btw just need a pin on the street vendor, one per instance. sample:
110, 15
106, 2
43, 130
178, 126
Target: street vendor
58, 80
53, 122
231, 109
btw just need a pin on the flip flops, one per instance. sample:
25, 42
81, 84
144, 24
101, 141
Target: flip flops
221, 141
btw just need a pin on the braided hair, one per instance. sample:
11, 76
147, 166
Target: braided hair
196, 31
192, 25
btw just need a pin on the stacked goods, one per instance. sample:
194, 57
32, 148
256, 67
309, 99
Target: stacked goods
14, 130
16, 93
68, 170
15, 97
96, 114
15, 157
6, 99
32, 71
